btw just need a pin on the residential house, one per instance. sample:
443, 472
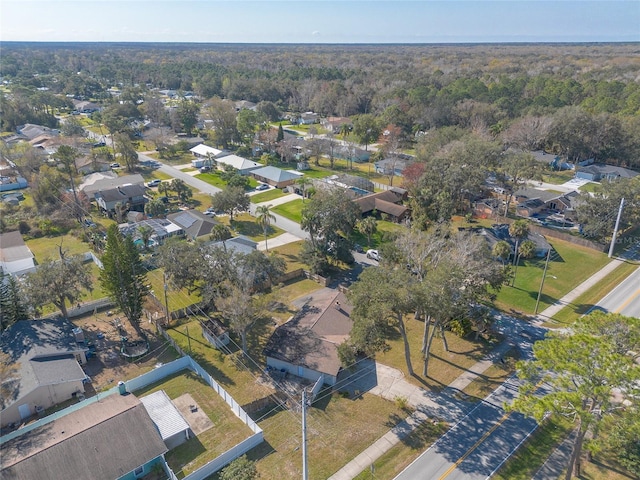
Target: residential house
564, 204
204, 155
112, 438
32, 131
308, 118
133, 196
488, 207
84, 106
243, 165
15, 256
48, 355
276, 176
391, 165
307, 345
335, 124
358, 155
239, 244
194, 223
106, 181
387, 203
245, 105
161, 227
599, 172
530, 201
500, 232
357, 185
87, 165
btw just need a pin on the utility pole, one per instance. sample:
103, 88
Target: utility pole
166, 299
544, 274
615, 229
305, 467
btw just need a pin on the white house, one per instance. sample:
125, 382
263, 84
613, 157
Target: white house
243, 165
15, 256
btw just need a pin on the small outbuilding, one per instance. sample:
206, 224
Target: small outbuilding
172, 426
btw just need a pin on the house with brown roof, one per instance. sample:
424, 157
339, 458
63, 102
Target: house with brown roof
130, 195
15, 257
387, 202
194, 223
307, 345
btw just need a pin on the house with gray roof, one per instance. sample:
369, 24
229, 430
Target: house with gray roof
241, 164
107, 180
15, 257
194, 223
598, 172
48, 355
275, 176
113, 438
133, 196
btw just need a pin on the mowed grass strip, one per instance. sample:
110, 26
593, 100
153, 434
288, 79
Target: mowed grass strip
227, 430
338, 429
267, 195
291, 210
570, 265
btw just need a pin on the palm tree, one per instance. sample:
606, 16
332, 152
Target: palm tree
502, 250
303, 183
526, 250
367, 226
518, 230
264, 218
145, 232
220, 233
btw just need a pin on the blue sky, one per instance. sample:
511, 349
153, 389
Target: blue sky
320, 21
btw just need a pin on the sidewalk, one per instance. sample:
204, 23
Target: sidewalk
550, 311
390, 386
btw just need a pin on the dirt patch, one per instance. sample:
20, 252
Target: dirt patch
106, 331
195, 417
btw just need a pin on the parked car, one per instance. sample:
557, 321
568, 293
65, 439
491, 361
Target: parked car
154, 183
210, 212
205, 169
262, 186
115, 165
373, 254
99, 144
358, 248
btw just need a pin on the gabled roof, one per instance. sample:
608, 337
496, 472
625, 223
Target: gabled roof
104, 440
106, 182
311, 339
608, 170
239, 244
121, 193
193, 222
276, 174
238, 163
13, 248
205, 150
31, 344
379, 200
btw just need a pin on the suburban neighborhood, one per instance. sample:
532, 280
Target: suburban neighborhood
203, 282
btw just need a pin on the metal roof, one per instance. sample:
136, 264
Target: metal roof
164, 414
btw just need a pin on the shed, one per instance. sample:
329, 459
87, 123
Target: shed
172, 426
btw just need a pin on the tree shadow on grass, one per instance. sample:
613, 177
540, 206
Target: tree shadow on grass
185, 453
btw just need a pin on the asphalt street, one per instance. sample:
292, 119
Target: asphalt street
625, 298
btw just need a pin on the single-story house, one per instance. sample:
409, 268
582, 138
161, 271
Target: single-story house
307, 345
564, 204
528, 208
15, 257
87, 165
172, 426
112, 438
307, 118
84, 106
162, 229
239, 244
131, 195
48, 355
500, 232
386, 202
598, 172
194, 223
334, 124
204, 154
391, 164
275, 176
487, 207
358, 155
107, 180
245, 105
243, 165
32, 131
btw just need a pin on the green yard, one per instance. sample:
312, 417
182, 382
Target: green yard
291, 210
267, 195
570, 265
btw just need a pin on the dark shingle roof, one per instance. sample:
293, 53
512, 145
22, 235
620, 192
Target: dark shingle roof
104, 440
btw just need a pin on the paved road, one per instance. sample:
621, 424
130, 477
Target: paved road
625, 298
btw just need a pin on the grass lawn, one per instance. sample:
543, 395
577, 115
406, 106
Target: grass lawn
558, 178
590, 187
247, 225
588, 299
227, 430
389, 465
177, 299
444, 367
212, 178
570, 265
291, 210
385, 228
267, 195
290, 252
47, 247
